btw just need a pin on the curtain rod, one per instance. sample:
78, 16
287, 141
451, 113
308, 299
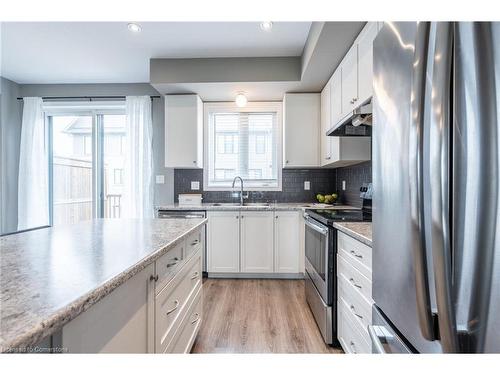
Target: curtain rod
90, 98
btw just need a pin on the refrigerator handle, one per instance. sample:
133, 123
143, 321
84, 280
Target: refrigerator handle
424, 311
439, 172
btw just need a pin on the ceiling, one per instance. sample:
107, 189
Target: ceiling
107, 52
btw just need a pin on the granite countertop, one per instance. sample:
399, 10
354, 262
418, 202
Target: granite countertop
360, 231
49, 276
253, 207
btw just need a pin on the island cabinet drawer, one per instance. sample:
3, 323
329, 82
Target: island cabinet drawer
359, 308
194, 242
356, 253
186, 334
173, 302
353, 340
168, 264
356, 279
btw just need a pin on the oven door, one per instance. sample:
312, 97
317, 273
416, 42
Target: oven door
317, 261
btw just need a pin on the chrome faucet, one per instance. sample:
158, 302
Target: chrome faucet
241, 191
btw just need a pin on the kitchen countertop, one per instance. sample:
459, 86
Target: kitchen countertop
360, 231
49, 276
236, 206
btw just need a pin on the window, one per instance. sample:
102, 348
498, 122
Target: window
243, 142
87, 164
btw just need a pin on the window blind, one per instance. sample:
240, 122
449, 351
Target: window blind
243, 144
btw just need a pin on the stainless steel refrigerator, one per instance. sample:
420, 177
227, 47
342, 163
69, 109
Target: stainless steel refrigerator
436, 180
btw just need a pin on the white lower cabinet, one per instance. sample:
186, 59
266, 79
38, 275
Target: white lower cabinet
253, 242
157, 310
286, 242
257, 242
354, 286
223, 241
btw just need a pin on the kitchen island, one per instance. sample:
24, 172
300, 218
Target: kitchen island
52, 276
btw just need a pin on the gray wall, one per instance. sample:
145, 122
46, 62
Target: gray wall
10, 128
11, 113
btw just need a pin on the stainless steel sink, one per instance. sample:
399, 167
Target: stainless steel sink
257, 204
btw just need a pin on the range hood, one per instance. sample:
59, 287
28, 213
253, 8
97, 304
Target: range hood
358, 123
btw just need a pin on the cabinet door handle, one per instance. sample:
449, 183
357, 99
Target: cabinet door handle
353, 347
356, 255
153, 278
328, 157
171, 264
353, 282
354, 312
194, 161
195, 275
287, 162
196, 319
276, 216
176, 305
237, 217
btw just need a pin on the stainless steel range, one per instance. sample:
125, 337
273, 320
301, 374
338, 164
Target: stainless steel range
320, 265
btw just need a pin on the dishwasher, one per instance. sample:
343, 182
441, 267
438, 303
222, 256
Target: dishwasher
178, 214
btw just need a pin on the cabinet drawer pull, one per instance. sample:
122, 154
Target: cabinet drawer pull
194, 242
195, 275
176, 305
354, 312
196, 319
353, 282
356, 255
353, 347
171, 264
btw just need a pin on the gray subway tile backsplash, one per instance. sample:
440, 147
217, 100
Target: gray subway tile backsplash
322, 181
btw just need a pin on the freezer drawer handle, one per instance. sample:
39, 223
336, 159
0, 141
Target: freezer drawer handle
379, 335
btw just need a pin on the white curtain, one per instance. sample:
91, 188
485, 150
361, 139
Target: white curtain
33, 184
138, 190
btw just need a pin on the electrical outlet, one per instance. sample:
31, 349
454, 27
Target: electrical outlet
307, 185
343, 184
160, 179
195, 185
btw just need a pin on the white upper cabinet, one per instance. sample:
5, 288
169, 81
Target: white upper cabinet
349, 68
183, 131
257, 237
350, 150
326, 152
336, 97
302, 124
365, 61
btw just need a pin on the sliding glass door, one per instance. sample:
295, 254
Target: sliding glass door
87, 165
72, 167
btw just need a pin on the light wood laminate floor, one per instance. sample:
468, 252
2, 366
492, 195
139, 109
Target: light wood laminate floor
257, 316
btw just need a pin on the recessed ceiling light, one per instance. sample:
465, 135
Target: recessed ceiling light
134, 27
241, 100
266, 26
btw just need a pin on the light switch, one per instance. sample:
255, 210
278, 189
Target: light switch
343, 184
195, 185
160, 179
307, 185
